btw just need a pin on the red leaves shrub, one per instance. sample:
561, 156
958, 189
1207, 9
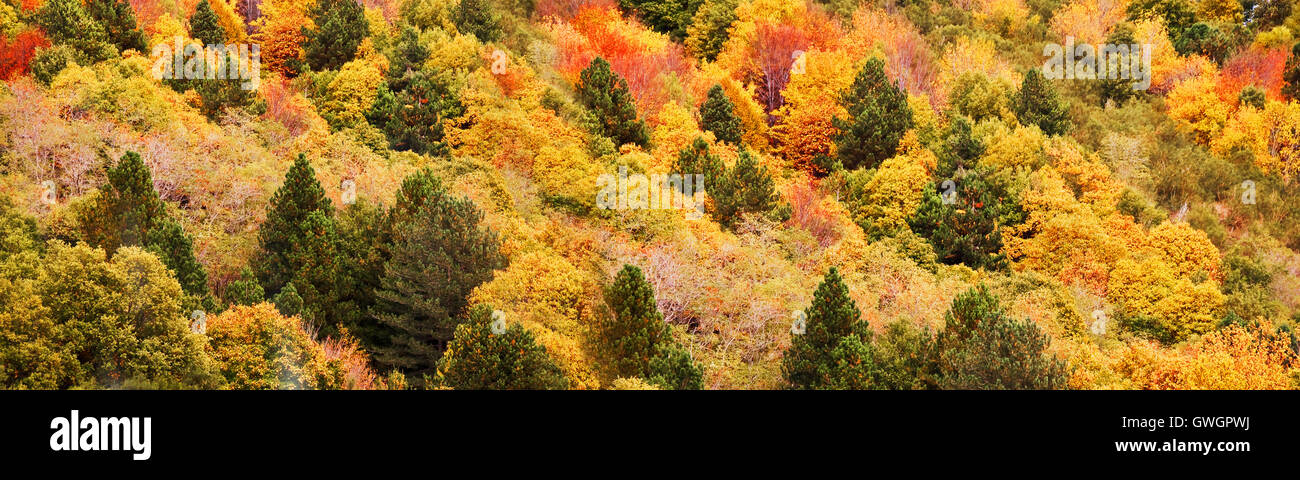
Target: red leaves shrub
16, 53
1258, 67
774, 48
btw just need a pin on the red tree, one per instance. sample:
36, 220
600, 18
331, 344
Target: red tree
16, 53
774, 53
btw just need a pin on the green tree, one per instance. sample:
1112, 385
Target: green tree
636, 339
340, 27
671, 17
708, 29
118, 20
612, 109
480, 19
746, 188
1037, 103
414, 118
981, 348
1291, 74
288, 302
438, 257
1119, 90
215, 94
878, 117
66, 22
246, 290
834, 349
717, 116
126, 207
204, 25
967, 227
478, 359
290, 206
696, 159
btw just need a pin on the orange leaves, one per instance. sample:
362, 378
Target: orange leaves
1256, 67
17, 52
280, 33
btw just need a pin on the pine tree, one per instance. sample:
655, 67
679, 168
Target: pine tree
66, 22
126, 209
878, 117
637, 340
340, 27
708, 29
717, 116
746, 188
670, 17
409, 56
118, 20
696, 159
287, 301
413, 119
478, 359
168, 241
981, 348
814, 357
204, 25
1118, 90
246, 290
318, 276
1251, 96
290, 206
613, 110
438, 258
1037, 103
967, 231
480, 19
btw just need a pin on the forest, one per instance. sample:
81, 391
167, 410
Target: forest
649, 194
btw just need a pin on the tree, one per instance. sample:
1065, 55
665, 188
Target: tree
414, 118
613, 110
834, 349
716, 115
1291, 75
169, 242
878, 117
671, 17
290, 206
696, 159
65, 22
708, 29
204, 25
746, 188
118, 20
478, 359
126, 208
246, 290
967, 229
339, 27
438, 257
637, 341
480, 19
980, 348
1037, 103
1120, 89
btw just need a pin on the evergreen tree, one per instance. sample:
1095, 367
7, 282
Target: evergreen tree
708, 29
126, 209
673, 368
746, 188
960, 148
696, 159
66, 22
169, 242
1037, 103
340, 27
204, 25
1119, 90
290, 206
287, 301
638, 341
318, 276
413, 118
438, 257
833, 334
246, 290
671, 17
118, 20
478, 359
717, 116
967, 231
1251, 96
409, 55
878, 117
613, 110
981, 348
364, 235
480, 19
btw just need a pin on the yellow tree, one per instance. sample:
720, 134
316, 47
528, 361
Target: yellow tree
280, 34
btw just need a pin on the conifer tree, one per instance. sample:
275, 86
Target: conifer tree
746, 188
613, 110
215, 94
1118, 90
968, 230
480, 19
66, 22
290, 206
204, 25
636, 339
287, 301
1291, 74
717, 116
834, 349
246, 290
878, 117
479, 359
438, 257
126, 209
981, 348
118, 20
340, 27
708, 30
413, 118
1037, 103
318, 276
168, 241
696, 159
670, 17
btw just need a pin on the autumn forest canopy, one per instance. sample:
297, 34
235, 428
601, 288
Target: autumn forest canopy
648, 194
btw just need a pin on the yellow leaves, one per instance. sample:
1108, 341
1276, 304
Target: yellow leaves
676, 130
1087, 174
352, 92
1270, 134
230, 21
280, 33
1013, 149
894, 192
1221, 10
1195, 104
1187, 250
1006, 17
1232, 358
1088, 21
1152, 288
977, 55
